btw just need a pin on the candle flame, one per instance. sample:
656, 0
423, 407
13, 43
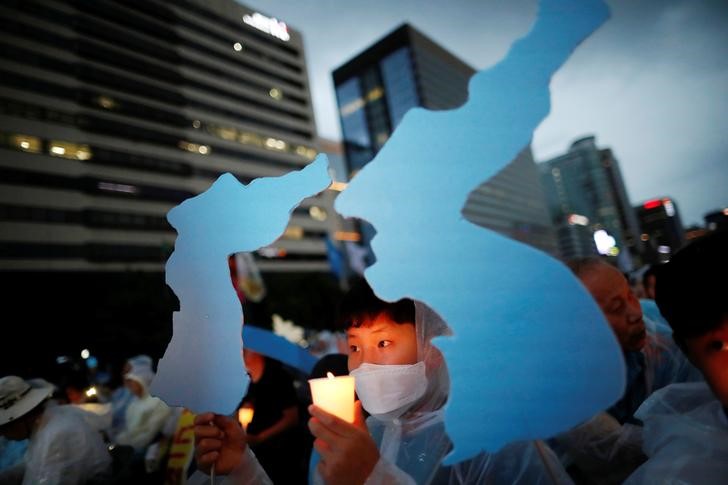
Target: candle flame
329, 375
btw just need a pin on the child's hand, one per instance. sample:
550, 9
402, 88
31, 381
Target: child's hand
219, 440
348, 453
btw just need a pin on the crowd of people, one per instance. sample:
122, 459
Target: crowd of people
58, 434
670, 425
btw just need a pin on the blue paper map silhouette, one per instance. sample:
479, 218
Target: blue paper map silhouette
531, 353
202, 368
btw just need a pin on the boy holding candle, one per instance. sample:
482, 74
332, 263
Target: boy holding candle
402, 381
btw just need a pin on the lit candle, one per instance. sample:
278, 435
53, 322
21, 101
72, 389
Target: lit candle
245, 416
335, 395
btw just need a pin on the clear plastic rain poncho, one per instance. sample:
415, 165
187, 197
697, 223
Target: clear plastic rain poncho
65, 450
659, 364
122, 397
146, 415
608, 447
413, 446
685, 437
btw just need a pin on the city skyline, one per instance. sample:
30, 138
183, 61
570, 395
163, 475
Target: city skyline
650, 84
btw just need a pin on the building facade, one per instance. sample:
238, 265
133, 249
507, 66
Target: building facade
406, 69
112, 113
717, 220
588, 199
661, 229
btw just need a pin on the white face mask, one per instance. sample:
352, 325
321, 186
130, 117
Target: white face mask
384, 389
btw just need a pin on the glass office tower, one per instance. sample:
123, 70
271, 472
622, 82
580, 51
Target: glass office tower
406, 69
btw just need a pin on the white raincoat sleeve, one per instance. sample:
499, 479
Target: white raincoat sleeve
145, 418
685, 437
603, 448
523, 463
383, 472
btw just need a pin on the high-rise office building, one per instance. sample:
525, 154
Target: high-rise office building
588, 199
113, 112
717, 220
406, 69
662, 230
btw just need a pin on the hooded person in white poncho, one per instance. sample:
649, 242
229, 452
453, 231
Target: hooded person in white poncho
122, 397
145, 415
403, 383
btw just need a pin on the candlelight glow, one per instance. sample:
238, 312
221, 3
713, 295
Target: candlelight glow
335, 395
245, 416
338, 186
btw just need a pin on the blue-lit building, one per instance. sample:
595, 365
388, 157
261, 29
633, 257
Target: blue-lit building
405, 69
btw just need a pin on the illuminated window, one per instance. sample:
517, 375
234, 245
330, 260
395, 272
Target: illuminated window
26, 143
374, 94
72, 151
107, 102
352, 107
576, 219
248, 138
339, 186
317, 213
227, 133
293, 232
275, 144
347, 236
194, 147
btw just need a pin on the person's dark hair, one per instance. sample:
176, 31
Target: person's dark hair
361, 304
334, 363
582, 266
692, 290
652, 270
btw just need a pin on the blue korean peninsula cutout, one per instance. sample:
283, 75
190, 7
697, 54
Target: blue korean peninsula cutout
531, 353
